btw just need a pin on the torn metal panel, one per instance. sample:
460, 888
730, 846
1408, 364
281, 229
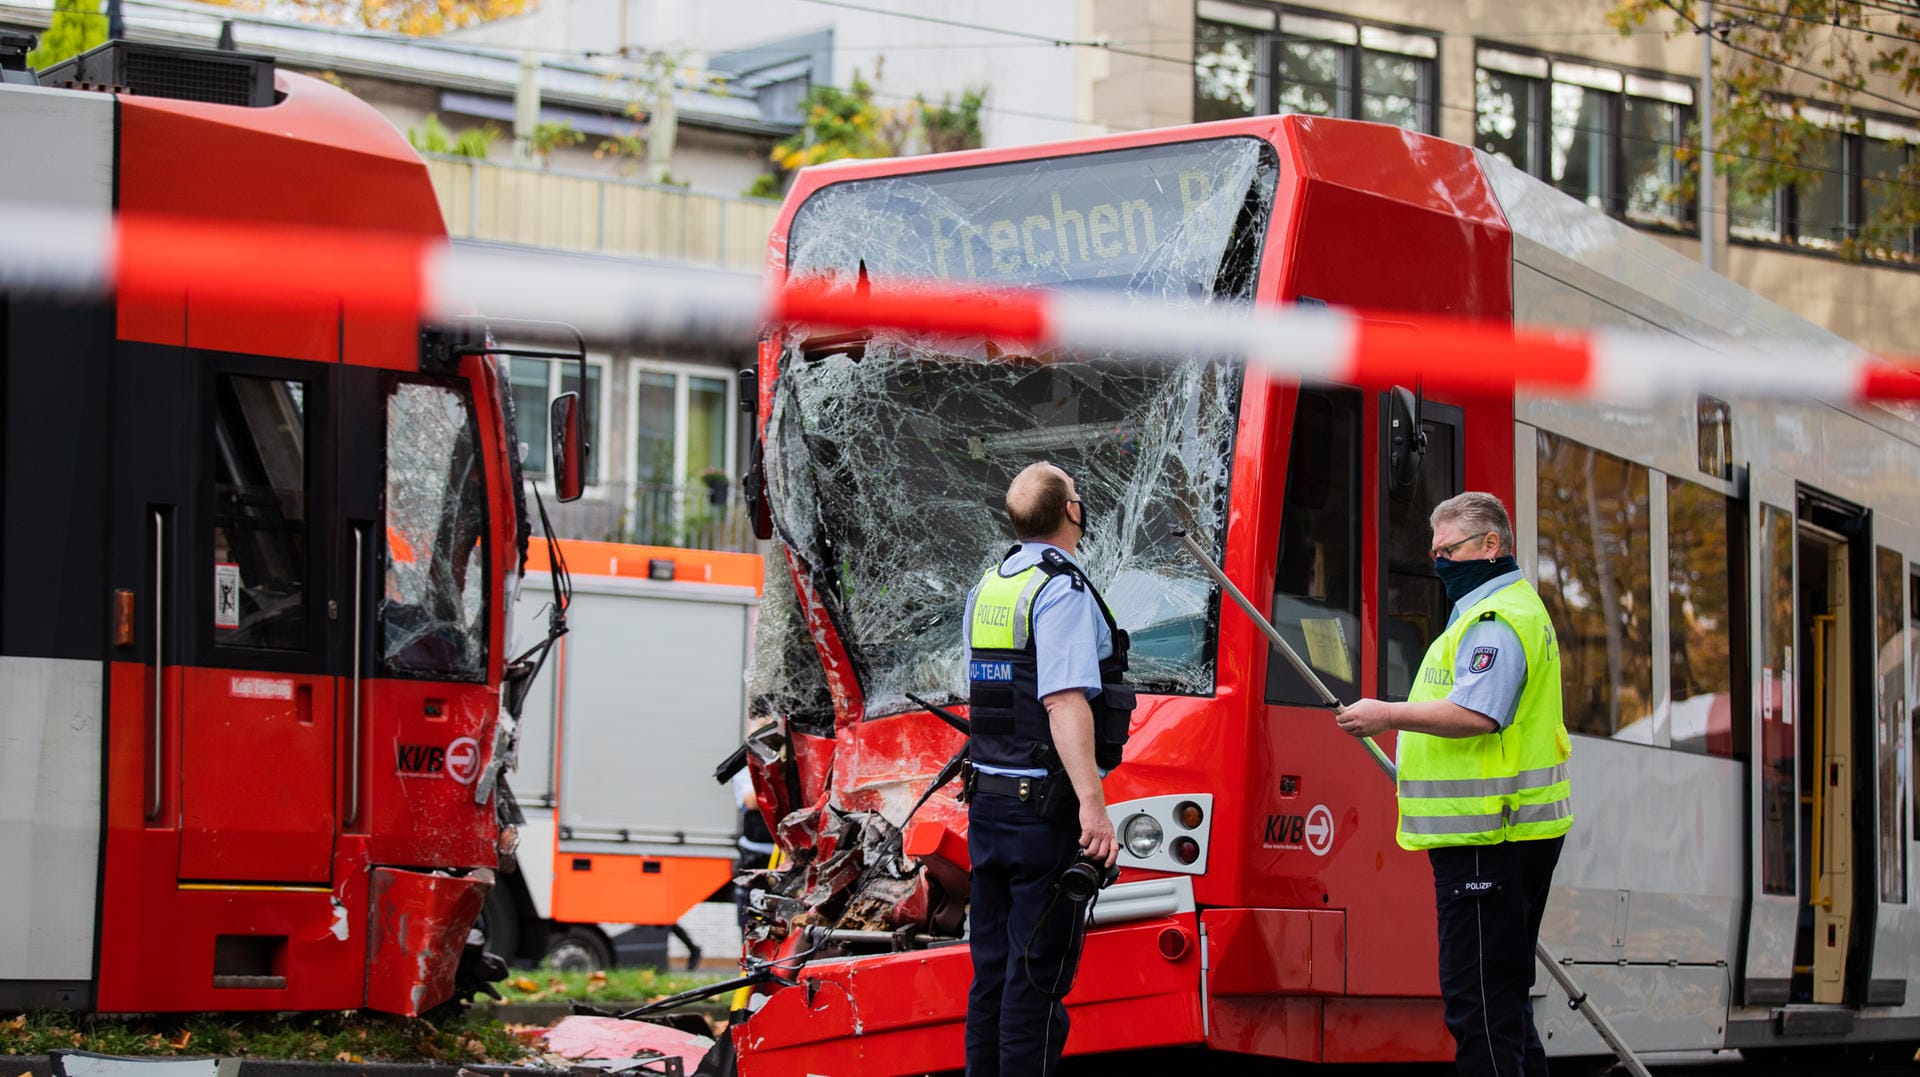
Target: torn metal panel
419, 926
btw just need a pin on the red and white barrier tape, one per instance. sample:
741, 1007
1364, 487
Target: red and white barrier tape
143, 257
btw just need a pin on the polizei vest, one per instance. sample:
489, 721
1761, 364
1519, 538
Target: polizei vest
1505, 786
1010, 727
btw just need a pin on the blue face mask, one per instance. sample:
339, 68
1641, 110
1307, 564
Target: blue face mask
1461, 577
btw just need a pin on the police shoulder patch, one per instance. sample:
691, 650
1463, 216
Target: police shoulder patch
1482, 660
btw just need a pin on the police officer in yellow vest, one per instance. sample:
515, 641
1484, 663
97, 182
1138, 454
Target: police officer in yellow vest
1483, 783
1046, 704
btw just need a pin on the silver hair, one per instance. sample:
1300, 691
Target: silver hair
1478, 513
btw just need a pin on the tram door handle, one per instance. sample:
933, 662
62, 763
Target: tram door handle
358, 606
156, 745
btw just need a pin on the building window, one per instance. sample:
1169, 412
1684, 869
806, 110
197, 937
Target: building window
1611, 139
1850, 196
683, 423
1252, 60
535, 383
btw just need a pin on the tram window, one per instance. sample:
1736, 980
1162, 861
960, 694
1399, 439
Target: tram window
1913, 684
1417, 606
1595, 569
1892, 667
1316, 590
433, 609
260, 513
1779, 741
1699, 620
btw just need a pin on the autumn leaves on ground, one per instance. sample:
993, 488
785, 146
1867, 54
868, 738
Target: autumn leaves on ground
477, 1035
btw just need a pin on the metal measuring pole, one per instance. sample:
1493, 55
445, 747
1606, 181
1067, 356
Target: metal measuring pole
1576, 998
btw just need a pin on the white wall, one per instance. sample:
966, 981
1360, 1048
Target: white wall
1032, 92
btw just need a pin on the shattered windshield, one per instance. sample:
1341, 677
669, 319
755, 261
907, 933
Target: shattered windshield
433, 602
888, 460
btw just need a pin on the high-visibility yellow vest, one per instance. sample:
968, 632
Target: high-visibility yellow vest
1505, 786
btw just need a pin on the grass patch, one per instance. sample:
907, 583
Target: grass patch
612, 985
352, 1036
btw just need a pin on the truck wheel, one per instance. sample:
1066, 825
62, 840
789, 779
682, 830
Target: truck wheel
578, 949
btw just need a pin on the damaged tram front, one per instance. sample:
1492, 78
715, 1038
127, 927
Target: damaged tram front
886, 462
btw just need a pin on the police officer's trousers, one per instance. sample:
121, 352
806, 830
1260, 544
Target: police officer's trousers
1023, 938
1490, 899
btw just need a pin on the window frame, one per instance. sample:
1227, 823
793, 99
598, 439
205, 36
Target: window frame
1542, 71
681, 373
319, 401
1455, 418
596, 434
1785, 201
489, 581
1349, 93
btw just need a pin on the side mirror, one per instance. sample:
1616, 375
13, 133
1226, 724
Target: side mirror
1406, 442
569, 447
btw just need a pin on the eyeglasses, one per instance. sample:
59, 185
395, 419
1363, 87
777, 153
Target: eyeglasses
1447, 551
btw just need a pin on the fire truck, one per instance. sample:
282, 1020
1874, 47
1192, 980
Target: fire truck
256, 576
623, 821
1734, 589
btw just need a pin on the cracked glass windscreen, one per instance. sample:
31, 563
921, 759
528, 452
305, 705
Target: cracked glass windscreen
783, 673
888, 460
434, 601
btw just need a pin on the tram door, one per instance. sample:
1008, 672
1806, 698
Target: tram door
1774, 889
1839, 724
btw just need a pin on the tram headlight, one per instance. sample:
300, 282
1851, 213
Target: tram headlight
1142, 835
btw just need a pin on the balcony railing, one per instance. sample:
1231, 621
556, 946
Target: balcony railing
693, 517
533, 207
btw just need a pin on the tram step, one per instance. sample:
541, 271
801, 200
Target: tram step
1888, 992
1804, 1019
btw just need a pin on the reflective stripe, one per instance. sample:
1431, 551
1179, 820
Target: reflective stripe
1543, 813
1023, 607
1458, 787
1538, 778
1543, 776
1452, 824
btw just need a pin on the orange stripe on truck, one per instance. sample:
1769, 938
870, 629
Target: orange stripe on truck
621, 559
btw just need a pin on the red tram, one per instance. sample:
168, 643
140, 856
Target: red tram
1732, 587
257, 574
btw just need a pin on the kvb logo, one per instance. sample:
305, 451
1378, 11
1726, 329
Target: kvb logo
459, 760
1312, 831
463, 760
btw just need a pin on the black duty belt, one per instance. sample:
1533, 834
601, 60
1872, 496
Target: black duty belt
1022, 789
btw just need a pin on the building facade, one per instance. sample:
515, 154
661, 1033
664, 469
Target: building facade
1550, 87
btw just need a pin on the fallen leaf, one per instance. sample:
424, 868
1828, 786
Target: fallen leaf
520, 983
475, 1048
344, 1056
18, 1022
599, 976
185, 1038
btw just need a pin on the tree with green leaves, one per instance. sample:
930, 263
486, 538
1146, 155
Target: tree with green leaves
77, 26
1793, 76
953, 126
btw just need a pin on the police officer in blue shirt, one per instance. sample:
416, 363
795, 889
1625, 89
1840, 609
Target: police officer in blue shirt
1048, 713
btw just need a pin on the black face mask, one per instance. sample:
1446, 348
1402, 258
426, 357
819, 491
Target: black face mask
1082, 522
1461, 577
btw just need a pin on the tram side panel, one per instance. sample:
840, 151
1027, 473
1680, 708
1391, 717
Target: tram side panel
53, 616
